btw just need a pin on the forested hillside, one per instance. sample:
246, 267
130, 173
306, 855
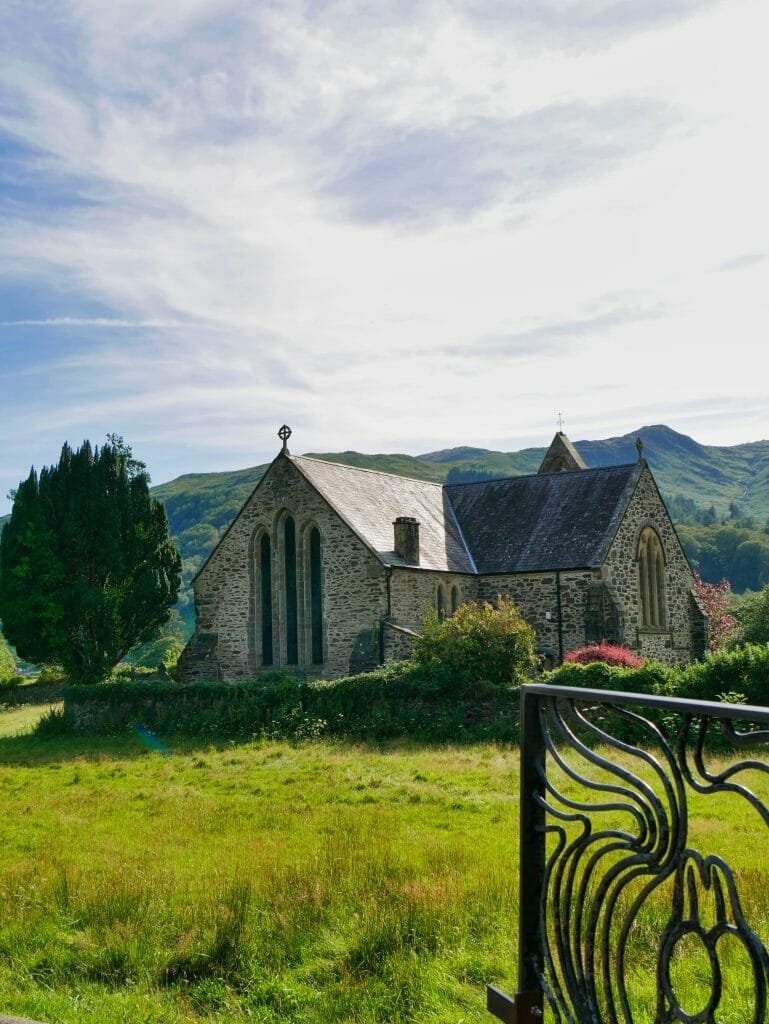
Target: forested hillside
718, 496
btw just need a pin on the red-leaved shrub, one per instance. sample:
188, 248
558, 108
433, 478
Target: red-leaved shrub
610, 654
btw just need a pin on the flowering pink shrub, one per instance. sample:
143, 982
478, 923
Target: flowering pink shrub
610, 654
713, 599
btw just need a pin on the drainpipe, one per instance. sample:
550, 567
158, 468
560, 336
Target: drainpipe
559, 615
383, 619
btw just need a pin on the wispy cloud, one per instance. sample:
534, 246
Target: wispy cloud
376, 223
748, 259
555, 338
461, 168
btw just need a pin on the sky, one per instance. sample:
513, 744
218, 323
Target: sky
397, 227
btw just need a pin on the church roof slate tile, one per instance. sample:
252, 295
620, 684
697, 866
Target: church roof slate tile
544, 522
370, 501
520, 524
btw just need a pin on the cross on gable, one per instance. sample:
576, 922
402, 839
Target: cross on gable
284, 433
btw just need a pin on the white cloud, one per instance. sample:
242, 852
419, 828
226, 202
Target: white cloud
384, 222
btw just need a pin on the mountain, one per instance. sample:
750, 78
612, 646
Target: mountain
706, 474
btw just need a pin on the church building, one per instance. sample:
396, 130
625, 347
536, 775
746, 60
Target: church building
328, 569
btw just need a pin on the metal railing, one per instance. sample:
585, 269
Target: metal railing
629, 909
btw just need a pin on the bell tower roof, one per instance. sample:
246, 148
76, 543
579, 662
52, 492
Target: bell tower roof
561, 456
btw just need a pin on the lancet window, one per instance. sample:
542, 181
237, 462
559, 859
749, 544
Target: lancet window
291, 624
316, 597
651, 579
265, 595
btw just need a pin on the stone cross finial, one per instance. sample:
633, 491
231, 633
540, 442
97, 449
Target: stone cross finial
560, 422
640, 446
284, 433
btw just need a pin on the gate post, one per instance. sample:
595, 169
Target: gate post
526, 1008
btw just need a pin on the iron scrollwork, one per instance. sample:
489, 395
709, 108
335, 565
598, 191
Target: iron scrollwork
636, 923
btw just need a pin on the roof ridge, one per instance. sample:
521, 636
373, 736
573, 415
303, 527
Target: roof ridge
533, 476
365, 469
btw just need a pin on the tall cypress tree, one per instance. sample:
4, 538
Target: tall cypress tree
88, 569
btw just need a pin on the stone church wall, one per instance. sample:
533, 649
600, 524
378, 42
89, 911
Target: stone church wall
676, 642
415, 590
536, 594
412, 593
226, 642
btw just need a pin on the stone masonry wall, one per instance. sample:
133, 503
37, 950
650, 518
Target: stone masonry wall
227, 596
415, 590
536, 596
674, 642
397, 645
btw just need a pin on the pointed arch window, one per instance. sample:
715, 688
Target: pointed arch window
454, 598
290, 594
316, 597
651, 579
265, 594
440, 603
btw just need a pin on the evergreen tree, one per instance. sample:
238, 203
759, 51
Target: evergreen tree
87, 567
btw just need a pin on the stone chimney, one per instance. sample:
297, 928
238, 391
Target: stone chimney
407, 539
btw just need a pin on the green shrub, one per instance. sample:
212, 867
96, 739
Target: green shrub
7, 660
753, 615
651, 677
51, 674
742, 670
478, 643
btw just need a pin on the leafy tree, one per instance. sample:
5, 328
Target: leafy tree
753, 615
490, 643
87, 567
714, 598
740, 555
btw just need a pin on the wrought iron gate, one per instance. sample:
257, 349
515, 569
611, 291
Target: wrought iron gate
613, 886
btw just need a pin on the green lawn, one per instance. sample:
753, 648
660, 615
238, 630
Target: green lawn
262, 882
16, 721
267, 882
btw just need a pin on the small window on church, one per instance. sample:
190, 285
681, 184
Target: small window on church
440, 603
454, 599
651, 579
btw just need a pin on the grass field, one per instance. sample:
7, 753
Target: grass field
262, 882
266, 882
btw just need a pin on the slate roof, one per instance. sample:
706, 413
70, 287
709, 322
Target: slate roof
370, 501
543, 522
521, 524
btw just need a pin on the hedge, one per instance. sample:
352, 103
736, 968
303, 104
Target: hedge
398, 700
395, 701
652, 677
741, 671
